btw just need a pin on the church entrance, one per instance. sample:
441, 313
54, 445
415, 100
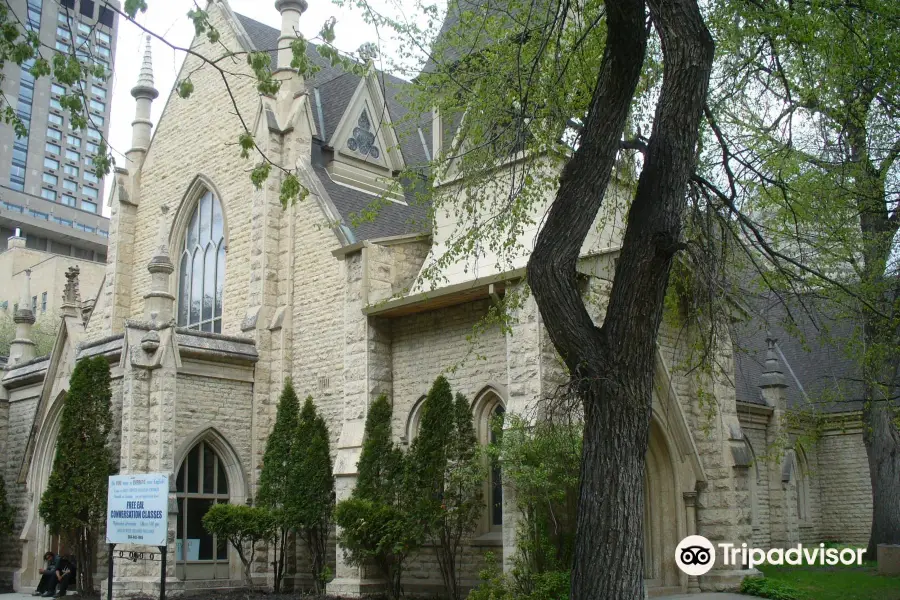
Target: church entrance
662, 512
200, 484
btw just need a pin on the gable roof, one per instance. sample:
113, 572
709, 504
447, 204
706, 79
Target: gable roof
813, 351
331, 90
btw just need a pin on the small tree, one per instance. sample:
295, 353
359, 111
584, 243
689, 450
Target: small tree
310, 499
74, 503
244, 527
446, 478
7, 513
375, 522
276, 473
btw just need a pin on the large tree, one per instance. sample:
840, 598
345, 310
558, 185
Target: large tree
74, 503
804, 132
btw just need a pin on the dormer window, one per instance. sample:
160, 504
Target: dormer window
363, 140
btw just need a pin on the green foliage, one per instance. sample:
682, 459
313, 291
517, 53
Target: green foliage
541, 465
243, 526
764, 587
275, 477
310, 491
7, 513
446, 477
74, 503
496, 585
376, 526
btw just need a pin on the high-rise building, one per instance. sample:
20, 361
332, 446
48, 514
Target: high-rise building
47, 184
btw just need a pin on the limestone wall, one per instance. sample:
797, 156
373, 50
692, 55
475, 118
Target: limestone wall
188, 130
21, 411
846, 490
429, 344
214, 402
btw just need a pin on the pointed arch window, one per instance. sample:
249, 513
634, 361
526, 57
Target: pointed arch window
201, 279
489, 414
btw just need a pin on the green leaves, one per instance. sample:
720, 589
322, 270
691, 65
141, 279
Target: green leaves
185, 88
132, 7
75, 497
246, 142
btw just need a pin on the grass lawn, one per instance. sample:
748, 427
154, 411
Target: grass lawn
837, 583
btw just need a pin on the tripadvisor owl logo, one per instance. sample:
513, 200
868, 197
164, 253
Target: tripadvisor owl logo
695, 555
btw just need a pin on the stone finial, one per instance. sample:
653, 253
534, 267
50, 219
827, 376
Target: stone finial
290, 22
772, 376
159, 302
21, 349
71, 298
25, 313
145, 87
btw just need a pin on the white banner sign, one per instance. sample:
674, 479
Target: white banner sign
138, 509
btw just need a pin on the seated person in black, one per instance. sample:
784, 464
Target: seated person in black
48, 576
65, 574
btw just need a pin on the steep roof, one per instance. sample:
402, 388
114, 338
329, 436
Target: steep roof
813, 347
331, 90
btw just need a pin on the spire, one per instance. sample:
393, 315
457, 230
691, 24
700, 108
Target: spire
71, 300
145, 79
159, 303
22, 348
772, 375
290, 22
144, 94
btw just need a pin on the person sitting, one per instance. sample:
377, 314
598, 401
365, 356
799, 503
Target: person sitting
65, 574
48, 576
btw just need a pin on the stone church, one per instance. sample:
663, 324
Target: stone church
213, 294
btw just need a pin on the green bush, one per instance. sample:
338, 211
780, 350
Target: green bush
764, 587
446, 476
496, 585
310, 499
275, 476
74, 503
243, 526
376, 523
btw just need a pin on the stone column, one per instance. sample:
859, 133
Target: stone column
781, 501
690, 507
524, 388
367, 374
21, 349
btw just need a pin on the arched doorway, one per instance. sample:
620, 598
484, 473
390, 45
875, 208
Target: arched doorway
201, 483
663, 510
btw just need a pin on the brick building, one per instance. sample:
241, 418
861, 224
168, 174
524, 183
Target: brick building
213, 294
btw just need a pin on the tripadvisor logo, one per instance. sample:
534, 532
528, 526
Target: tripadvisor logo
696, 555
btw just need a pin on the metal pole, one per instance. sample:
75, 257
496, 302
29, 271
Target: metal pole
162, 575
109, 575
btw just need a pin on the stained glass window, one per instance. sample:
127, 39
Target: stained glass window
201, 278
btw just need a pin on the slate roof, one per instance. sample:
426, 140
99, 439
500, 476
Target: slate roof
455, 41
812, 350
331, 90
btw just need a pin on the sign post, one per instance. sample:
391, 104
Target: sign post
138, 513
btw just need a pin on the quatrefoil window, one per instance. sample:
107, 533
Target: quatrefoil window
363, 140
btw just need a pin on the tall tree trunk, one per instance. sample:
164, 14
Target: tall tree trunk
612, 366
882, 441
880, 434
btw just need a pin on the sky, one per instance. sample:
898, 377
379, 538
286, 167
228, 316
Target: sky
168, 18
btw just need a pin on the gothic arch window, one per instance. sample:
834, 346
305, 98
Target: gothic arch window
201, 275
489, 412
802, 478
201, 483
414, 421
753, 486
